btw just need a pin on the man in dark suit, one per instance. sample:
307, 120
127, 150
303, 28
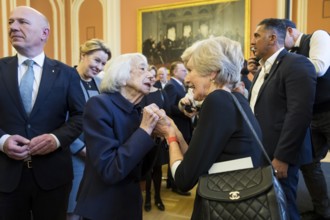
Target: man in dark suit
175, 91
35, 162
282, 98
161, 78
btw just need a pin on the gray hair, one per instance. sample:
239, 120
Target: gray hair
119, 71
219, 54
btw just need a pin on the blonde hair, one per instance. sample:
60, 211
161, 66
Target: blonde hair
93, 45
219, 54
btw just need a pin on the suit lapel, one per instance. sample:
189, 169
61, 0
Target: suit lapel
11, 82
49, 73
272, 71
178, 86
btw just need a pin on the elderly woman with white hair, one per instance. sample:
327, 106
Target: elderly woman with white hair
221, 133
118, 137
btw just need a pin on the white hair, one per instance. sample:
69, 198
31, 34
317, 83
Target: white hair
119, 71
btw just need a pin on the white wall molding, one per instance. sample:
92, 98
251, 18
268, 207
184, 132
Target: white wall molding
302, 12
61, 17
75, 31
4, 19
54, 29
111, 25
12, 5
280, 9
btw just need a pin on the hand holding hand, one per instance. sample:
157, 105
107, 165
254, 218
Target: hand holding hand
42, 144
165, 127
149, 118
16, 147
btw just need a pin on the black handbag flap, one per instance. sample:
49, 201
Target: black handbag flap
235, 185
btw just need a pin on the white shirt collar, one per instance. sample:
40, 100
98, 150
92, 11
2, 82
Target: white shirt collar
40, 59
270, 61
178, 81
297, 43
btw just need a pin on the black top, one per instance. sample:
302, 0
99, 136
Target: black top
220, 135
159, 97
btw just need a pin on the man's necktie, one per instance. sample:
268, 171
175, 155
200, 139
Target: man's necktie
26, 86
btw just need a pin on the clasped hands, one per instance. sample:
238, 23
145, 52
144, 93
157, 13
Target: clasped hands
18, 147
155, 121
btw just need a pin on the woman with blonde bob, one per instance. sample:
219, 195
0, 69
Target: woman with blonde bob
221, 133
94, 54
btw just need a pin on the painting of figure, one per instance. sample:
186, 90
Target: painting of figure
166, 31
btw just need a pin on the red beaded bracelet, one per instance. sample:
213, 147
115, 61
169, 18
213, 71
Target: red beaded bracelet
171, 139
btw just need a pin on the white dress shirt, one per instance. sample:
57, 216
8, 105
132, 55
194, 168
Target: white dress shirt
319, 51
37, 68
266, 66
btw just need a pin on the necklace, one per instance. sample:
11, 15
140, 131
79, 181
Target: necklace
89, 84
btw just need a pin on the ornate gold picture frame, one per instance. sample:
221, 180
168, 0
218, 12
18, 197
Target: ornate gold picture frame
165, 31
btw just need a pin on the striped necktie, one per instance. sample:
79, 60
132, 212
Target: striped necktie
26, 86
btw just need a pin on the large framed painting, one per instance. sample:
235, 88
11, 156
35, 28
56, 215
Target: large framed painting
165, 31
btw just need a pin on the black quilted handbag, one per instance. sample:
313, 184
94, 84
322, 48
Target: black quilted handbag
243, 194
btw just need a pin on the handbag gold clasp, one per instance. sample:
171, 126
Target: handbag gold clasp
234, 195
